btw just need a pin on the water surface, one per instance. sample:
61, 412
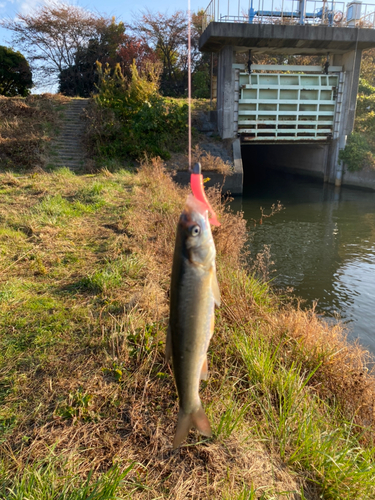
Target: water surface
322, 244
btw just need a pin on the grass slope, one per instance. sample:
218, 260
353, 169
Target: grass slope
87, 405
26, 127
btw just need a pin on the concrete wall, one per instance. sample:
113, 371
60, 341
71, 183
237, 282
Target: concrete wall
361, 179
351, 64
231, 184
303, 159
225, 93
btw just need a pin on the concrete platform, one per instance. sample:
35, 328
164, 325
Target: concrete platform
231, 184
285, 39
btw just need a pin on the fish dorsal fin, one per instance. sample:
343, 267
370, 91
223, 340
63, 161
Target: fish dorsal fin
215, 286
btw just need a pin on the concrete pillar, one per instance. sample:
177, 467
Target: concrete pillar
351, 63
225, 93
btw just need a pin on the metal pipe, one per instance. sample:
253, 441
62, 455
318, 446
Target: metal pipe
211, 79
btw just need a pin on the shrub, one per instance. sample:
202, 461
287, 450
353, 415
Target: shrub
357, 153
136, 120
365, 87
201, 84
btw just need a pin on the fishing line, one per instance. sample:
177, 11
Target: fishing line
189, 85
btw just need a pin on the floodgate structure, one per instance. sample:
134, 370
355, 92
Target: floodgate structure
295, 117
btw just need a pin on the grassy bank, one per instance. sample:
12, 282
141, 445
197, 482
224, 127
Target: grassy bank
87, 405
26, 127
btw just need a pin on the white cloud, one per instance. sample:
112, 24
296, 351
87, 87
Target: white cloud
29, 6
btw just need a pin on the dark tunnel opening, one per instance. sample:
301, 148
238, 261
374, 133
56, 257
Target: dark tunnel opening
260, 161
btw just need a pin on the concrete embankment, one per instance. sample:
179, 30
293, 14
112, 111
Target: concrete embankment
229, 151
304, 159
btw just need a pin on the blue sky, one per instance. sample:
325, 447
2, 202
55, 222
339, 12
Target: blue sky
121, 10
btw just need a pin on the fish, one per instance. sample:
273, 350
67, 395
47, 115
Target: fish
193, 295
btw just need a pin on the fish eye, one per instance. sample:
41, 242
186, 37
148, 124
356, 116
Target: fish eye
195, 230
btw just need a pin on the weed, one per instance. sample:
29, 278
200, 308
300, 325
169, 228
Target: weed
116, 372
77, 407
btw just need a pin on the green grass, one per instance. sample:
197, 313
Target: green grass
292, 419
50, 480
112, 274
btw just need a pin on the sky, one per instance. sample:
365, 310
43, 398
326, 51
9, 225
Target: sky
122, 10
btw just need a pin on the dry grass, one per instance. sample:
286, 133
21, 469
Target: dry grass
25, 128
209, 162
84, 270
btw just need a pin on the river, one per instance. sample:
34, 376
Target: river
322, 244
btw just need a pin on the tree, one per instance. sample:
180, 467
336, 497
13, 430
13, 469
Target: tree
368, 66
15, 73
135, 50
201, 77
167, 35
54, 34
81, 78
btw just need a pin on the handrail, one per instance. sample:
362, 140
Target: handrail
315, 12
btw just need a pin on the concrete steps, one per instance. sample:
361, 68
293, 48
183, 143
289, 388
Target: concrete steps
67, 148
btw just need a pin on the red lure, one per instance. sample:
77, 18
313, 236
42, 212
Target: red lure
196, 183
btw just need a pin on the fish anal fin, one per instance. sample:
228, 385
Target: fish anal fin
212, 326
186, 421
204, 370
168, 345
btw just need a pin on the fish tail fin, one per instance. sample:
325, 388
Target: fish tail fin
201, 422
186, 421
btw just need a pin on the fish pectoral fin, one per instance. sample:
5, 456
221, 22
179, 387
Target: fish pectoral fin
204, 370
186, 421
215, 287
168, 345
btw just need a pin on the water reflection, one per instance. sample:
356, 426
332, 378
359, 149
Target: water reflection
323, 245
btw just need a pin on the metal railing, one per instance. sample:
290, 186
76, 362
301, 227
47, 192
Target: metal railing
366, 21
314, 12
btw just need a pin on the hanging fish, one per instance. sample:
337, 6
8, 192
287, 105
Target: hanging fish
194, 293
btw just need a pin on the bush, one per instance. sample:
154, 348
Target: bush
357, 154
201, 84
365, 87
138, 121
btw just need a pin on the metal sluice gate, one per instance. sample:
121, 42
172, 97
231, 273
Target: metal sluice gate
287, 106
